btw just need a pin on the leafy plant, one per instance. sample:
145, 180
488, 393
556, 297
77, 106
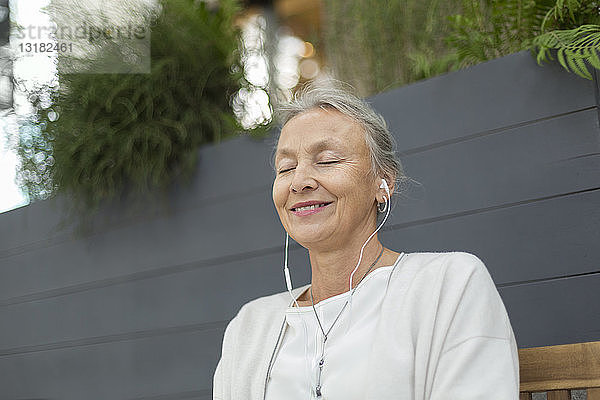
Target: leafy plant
98, 137
401, 41
576, 48
494, 28
489, 29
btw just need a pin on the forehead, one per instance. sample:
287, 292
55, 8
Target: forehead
319, 129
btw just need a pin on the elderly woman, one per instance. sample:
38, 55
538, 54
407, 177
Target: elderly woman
373, 323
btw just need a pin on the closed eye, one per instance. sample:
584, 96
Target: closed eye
328, 162
285, 170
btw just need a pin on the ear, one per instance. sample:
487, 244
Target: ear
391, 184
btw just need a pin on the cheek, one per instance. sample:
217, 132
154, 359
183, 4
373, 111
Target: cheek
352, 183
357, 191
279, 193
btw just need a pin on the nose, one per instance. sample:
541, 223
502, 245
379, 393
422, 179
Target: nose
302, 180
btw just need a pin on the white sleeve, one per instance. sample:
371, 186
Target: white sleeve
222, 376
478, 368
218, 381
479, 359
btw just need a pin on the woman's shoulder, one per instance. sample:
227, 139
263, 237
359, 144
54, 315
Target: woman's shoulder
448, 269
427, 257
460, 262
449, 286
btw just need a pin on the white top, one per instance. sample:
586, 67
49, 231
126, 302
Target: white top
442, 334
294, 373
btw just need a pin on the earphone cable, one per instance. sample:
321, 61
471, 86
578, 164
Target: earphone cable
326, 334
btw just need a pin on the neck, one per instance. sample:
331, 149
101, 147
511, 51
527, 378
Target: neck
331, 269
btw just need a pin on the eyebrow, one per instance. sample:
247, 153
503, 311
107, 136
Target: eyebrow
315, 147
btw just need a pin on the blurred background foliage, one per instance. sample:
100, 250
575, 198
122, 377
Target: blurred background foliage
97, 137
103, 133
402, 41
396, 42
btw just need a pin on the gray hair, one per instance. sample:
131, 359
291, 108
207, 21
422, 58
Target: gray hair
331, 93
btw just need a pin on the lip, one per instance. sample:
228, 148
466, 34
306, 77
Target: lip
309, 203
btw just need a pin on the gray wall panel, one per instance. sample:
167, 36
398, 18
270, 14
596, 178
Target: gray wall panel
555, 312
128, 369
200, 234
144, 305
32, 225
500, 93
242, 165
561, 155
535, 240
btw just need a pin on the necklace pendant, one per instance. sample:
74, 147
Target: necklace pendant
318, 390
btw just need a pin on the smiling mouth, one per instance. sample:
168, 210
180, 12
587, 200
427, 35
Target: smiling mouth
311, 207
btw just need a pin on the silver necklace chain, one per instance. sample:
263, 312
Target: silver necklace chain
325, 335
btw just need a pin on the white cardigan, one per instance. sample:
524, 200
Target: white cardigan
444, 334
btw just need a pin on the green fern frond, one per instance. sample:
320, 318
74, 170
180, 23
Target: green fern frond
563, 9
489, 29
574, 48
567, 14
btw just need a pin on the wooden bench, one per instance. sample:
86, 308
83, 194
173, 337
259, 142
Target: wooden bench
557, 370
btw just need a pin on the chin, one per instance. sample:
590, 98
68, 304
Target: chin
306, 237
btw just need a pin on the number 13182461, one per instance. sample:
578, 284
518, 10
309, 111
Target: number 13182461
43, 47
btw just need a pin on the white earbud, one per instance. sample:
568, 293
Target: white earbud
385, 186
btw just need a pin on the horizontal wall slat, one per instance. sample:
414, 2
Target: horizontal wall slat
551, 157
125, 370
539, 240
193, 297
499, 93
243, 164
554, 312
501, 169
200, 234
534, 241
